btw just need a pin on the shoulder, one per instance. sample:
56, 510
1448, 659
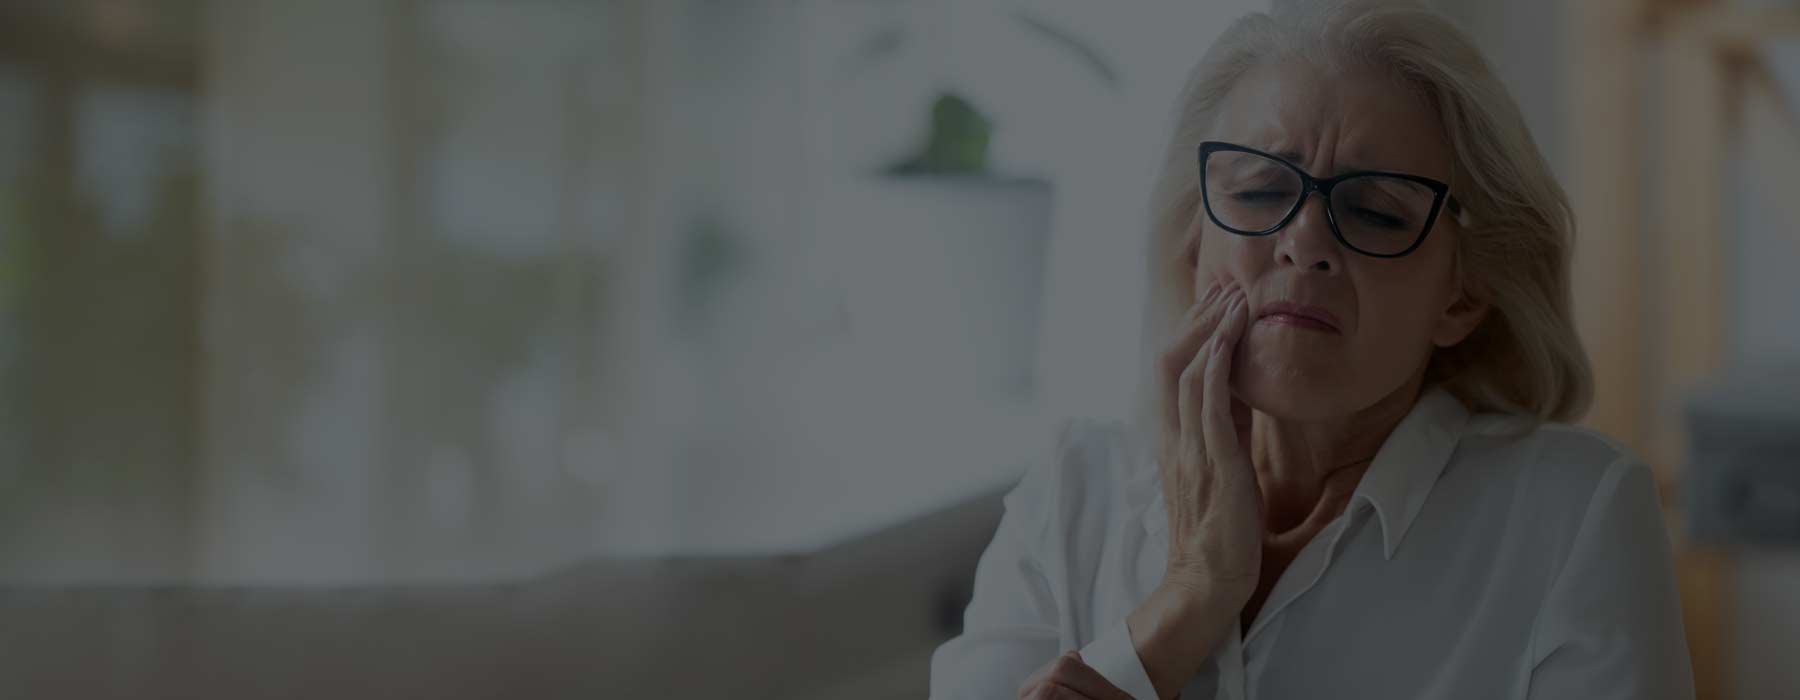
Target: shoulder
1554, 456
1555, 476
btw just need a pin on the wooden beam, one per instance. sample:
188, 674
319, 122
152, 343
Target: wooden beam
1738, 30
1687, 222
1687, 216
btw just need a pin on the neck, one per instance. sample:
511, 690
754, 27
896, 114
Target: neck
1302, 464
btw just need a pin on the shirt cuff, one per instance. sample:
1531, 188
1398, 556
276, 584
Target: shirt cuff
1116, 659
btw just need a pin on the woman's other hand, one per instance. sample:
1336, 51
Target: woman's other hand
1069, 678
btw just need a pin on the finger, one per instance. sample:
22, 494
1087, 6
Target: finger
1037, 677
1190, 403
1200, 302
1074, 674
1218, 425
1198, 325
1054, 691
1182, 345
1198, 319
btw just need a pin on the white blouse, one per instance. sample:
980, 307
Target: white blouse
1468, 564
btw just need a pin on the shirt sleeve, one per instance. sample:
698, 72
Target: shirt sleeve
1611, 622
1113, 655
1012, 625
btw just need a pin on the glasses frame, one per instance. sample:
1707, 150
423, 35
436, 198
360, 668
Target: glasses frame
1310, 184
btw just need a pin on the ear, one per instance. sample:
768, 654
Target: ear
1458, 320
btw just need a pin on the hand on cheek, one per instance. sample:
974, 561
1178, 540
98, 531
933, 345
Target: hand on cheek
1207, 276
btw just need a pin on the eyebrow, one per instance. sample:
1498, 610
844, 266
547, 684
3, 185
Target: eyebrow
1295, 157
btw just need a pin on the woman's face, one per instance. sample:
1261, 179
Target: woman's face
1385, 314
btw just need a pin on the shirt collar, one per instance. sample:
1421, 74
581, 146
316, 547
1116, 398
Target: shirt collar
1410, 461
1396, 482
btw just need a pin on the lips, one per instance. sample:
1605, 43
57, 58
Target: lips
1298, 315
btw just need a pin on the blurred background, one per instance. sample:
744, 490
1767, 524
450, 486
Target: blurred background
680, 348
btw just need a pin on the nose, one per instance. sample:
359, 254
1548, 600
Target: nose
1307, 243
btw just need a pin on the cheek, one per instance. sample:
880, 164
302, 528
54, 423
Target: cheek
1394, 333
1395, 323
1223, 256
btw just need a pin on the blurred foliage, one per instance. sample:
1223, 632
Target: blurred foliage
467, 323
958, 133
15, 268
464, 327
710, 259
101, 388
958, 141
15, 249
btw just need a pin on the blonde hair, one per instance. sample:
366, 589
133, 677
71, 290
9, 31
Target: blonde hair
1517, 235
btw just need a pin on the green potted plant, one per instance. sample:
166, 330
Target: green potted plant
958, 132
963, 248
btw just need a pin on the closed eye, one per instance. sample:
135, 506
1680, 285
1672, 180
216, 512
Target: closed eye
1379, 218
1262, 196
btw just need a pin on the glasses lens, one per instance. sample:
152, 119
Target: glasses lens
1381, 215
1248, 192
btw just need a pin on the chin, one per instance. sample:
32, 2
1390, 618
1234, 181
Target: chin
1297, 392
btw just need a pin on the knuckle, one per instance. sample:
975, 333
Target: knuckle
1193, 377
1173, 361
1216, 364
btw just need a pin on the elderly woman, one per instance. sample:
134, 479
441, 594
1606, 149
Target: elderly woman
1352, 480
